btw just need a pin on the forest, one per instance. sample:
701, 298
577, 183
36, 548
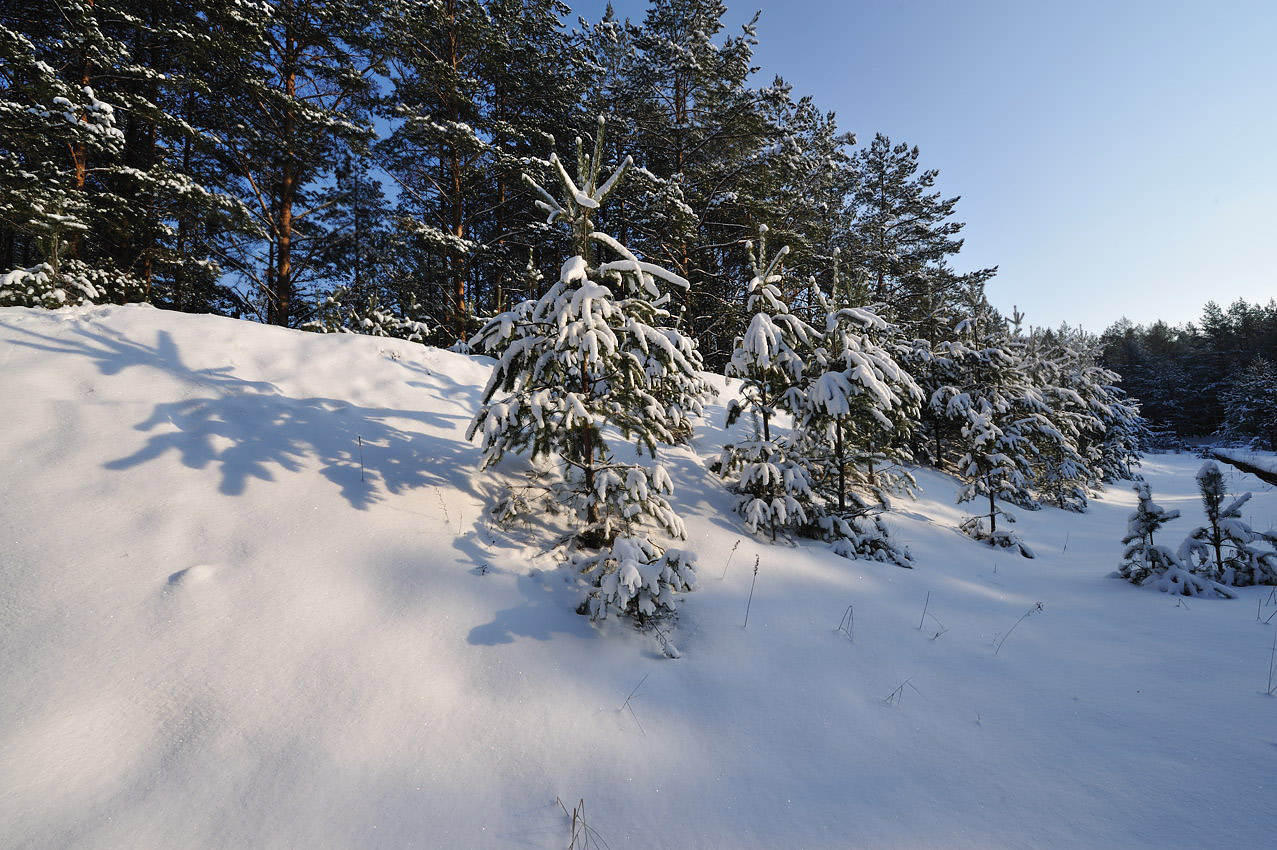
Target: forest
367, 168
1213, 379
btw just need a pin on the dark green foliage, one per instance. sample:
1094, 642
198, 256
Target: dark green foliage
1183, 375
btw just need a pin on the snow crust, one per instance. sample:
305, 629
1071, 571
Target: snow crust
247, 599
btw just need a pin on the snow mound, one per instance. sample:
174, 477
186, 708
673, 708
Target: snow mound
248, 597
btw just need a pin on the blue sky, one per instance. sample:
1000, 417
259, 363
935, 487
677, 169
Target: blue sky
1114, 158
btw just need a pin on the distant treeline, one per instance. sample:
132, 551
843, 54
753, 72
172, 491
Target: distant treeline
1215, 377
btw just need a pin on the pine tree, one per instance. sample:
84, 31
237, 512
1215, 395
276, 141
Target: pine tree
58, 135
856, 419
481, 89
296, 100
1001, 415
1224, 550
1150, 565
340, 313
1250, 404
769, 359
1060, 470
703, 134
901, 239
116, 196
585, 356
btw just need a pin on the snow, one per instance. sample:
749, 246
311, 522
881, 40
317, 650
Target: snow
247, 599
1266, 461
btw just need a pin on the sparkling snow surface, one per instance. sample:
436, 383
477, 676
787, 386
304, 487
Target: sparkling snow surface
219, 631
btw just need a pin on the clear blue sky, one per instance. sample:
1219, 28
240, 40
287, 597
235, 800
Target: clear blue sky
1114, 158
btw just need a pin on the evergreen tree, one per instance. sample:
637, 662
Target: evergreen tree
769, 359
703, 134
296, 99
121, 204
855, 422
1150, 565
59, 142
1250, 404
1061, 472
585, 356
901, 239
481, 88
1002, 417
339, 313
1224, 550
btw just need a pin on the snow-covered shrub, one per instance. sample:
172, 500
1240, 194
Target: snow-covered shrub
70, 284
635, 577
862, 536
39, 286
984, 529
1226, 549
337, 314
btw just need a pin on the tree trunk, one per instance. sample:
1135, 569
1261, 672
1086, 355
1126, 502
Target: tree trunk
281, 294
842, 467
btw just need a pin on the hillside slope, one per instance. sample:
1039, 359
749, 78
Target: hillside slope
248, 599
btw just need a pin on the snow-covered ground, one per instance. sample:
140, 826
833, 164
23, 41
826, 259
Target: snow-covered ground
248, 599
1266, 461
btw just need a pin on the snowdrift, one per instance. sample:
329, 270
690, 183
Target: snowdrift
248, 599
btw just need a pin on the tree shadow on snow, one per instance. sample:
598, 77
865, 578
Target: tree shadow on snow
545, 612
247, 436
249, 428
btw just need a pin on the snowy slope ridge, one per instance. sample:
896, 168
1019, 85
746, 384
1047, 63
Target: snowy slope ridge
248, 599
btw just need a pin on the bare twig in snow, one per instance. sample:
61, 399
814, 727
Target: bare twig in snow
1035, 608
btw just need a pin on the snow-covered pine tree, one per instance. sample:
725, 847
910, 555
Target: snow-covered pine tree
770, 361
856, 419
54, 134
1061, 475
1151, 565
1113, 429
586, 356
1227, 549
1001, 416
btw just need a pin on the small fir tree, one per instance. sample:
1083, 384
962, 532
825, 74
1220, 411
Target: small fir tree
857, 415
1226, 549
774, 489
1001, 416
1150, 565
586, 356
